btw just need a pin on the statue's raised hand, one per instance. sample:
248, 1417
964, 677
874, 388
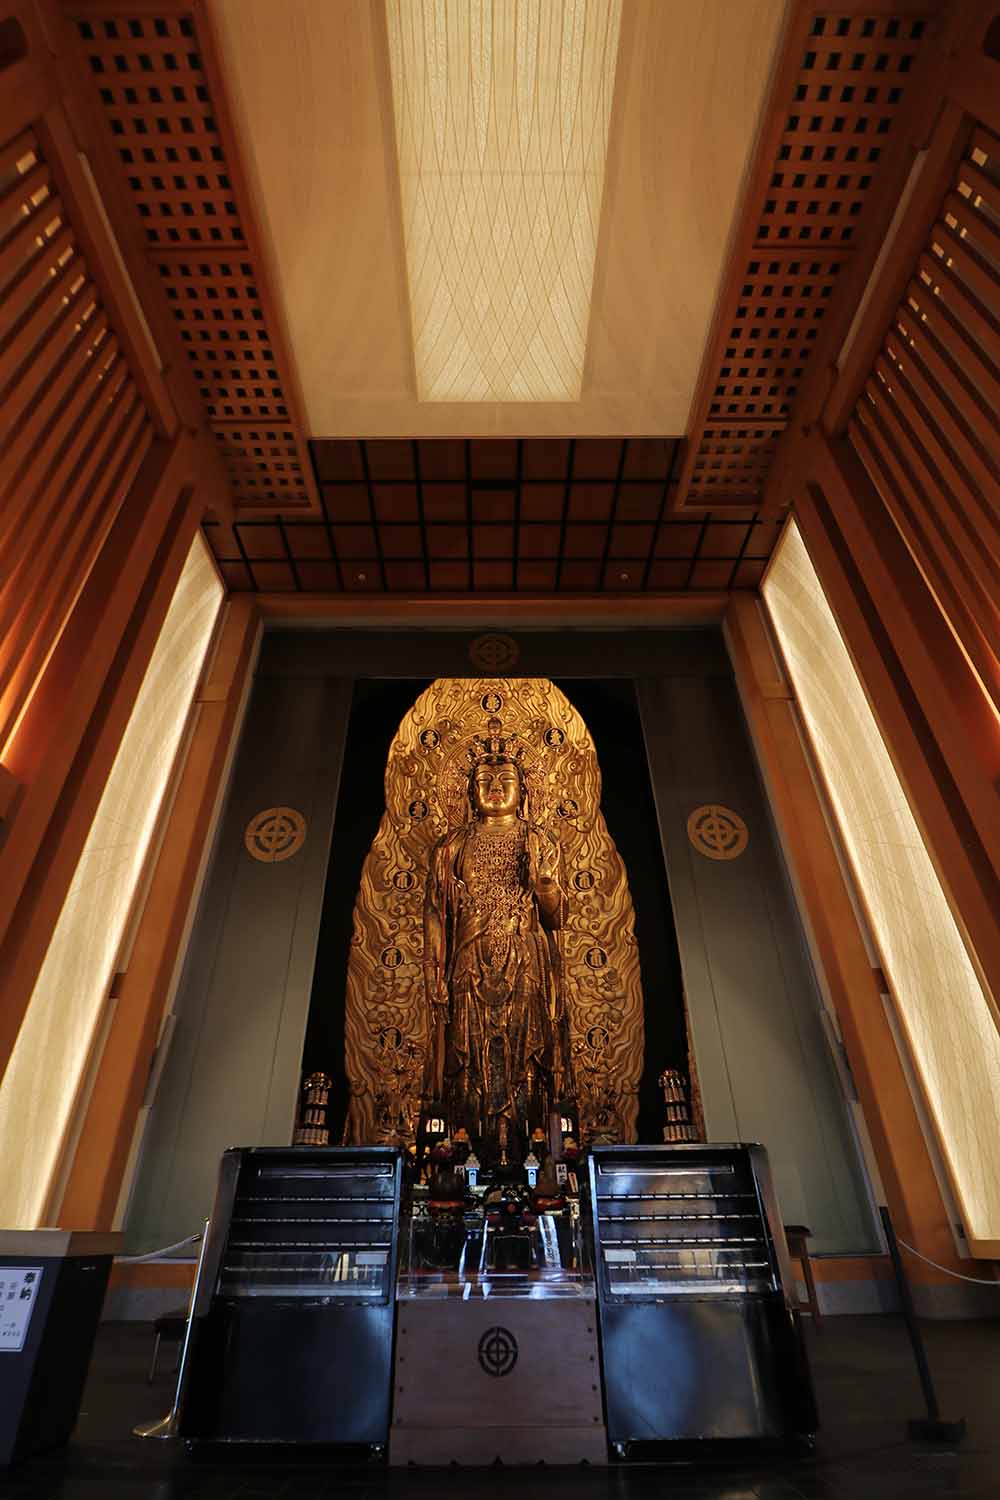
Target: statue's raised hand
547, 862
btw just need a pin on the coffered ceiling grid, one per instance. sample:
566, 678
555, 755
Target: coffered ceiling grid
538, 516
152, 73
838, 94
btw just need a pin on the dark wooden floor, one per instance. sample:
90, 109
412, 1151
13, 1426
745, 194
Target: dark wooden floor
865, 1382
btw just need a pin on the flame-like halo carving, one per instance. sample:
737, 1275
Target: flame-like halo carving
426, 794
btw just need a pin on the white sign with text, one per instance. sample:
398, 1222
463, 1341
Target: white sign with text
18, 1290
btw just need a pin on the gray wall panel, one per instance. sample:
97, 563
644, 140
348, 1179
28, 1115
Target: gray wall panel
695, 652
762, 1054
232, 1075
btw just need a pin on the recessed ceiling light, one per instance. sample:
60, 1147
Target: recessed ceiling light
502, 111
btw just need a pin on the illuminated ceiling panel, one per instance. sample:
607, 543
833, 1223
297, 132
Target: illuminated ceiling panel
502, 111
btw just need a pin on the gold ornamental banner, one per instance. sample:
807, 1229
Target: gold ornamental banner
387, 1014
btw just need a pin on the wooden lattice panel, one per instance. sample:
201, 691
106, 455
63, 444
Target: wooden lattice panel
217, 307
774, 326
801, 219
733, 462
151, 76
262, 463
75, 427
926, 426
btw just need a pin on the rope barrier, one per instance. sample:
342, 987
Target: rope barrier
137, 1260
975, 1280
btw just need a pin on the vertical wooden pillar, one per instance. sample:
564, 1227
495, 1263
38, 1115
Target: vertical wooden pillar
839, 948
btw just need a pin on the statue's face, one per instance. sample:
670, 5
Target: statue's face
496, 790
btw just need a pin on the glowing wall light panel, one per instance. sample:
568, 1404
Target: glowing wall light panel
53, 1046
502, 111
945, 1013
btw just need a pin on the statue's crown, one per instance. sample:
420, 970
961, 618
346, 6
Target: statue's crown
494, 747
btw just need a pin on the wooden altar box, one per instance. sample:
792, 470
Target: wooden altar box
514, 1379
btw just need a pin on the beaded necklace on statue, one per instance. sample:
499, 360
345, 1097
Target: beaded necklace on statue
495, 883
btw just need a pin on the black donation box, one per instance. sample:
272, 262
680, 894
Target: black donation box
291, 1340
699, 1339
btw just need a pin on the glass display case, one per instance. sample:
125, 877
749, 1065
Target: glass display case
292, 1331
310, 1229
683, 1228
692, 1273
491, 1242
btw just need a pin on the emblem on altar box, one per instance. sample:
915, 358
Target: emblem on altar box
498, 1352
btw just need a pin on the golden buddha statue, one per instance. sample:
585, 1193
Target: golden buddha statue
499, 1058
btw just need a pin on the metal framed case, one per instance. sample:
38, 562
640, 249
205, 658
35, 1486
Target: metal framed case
699, 1337
293, 1320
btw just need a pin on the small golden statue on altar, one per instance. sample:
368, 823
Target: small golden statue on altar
499, 1058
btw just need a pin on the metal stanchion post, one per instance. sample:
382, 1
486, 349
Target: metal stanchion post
168, 1426
932, 1428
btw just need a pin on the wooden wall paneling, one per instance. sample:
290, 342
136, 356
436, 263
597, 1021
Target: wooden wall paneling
63, 558
88, 126
944, 150
72, 385
938, 120
973, 76
102, 255
925, 425
834, 103
937, 520
937, 724
524, 612
27, 87
157, 82
853, 987
52, 134
103, 1146
879, 263
68, 736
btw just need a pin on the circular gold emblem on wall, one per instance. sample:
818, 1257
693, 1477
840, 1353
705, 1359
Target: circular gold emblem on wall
275, 834
717, 832
494, 653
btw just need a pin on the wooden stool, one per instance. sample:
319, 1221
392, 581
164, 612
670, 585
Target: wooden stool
797, 1236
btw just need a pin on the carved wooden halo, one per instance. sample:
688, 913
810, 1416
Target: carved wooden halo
426, 787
